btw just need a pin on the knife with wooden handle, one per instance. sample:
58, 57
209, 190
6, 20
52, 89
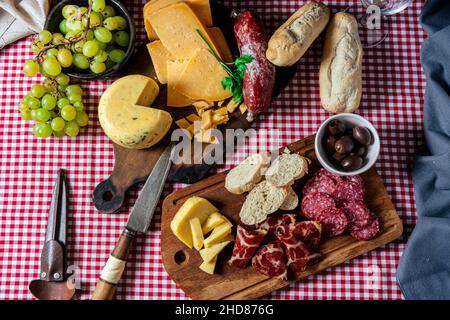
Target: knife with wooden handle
138, 223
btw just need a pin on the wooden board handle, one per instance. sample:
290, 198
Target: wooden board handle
114, 267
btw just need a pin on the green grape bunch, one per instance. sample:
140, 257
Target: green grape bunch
91, 38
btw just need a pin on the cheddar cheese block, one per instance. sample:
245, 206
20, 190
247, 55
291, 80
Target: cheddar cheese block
159, 55
174, 97
176, 27
201, 9
201, 78
125, 115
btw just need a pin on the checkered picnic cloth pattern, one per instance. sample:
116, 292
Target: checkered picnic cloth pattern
393, 97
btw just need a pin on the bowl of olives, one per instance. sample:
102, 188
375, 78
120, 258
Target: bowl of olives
347, 144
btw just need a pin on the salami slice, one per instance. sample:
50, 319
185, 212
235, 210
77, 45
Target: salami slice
347, 191
368, 232
357, 214
315, 202
319, 183
333, 221
358, 180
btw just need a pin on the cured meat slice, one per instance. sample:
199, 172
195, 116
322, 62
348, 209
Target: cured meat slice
358, 180
368, 232
319, 183
299, 255
315, 202
246, 243
347, 191
309, 232
274, 221
357, 214
333, 221
270, 260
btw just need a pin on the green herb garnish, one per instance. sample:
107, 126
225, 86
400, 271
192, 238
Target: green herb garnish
235, 79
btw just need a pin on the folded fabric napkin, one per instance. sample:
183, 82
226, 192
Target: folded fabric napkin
20, 18
424, 270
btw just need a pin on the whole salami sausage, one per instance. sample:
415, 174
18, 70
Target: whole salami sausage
259, 78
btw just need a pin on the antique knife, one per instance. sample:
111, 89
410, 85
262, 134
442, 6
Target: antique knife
138, 223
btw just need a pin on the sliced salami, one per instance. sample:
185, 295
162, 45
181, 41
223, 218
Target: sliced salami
315, 202
357, 214
368, 232
323, 172
333, 221
270, 260
319, 183
347, 191
358, 180
274, 221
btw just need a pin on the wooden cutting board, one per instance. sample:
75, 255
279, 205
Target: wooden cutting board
181, 263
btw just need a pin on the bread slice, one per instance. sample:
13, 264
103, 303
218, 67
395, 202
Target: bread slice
287, 168
247, 174
263, 200
291, 201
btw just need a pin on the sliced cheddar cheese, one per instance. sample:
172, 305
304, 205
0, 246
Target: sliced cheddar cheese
174, 97
209, 266
208, 254
213, 221
159, 55
217, 235
176, 27
221, 44
201, 79
197, 234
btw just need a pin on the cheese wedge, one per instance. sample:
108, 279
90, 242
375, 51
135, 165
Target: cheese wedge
208, 254
201, 79
197, 234
176, 27
175, 98
201, 9
194, 207
213, 221
217, 235
221, 43
159, 55
125, 115
209, 267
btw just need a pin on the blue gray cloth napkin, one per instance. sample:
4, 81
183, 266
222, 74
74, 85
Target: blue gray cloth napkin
424, 270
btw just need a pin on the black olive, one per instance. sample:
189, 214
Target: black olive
336, 128
339, 157
361, 151
362, 135
329, 143
344, 145
352, 163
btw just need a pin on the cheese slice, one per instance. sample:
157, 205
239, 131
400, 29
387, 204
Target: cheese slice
197, 234
176, 27
209, 267
201, 9
213, 221
183, 123
159, 55
217, 235
208, 254
174, 97
125, 115
201, 79
221, 43
193, 117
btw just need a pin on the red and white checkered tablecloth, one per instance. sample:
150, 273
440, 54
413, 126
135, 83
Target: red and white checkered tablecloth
393, 84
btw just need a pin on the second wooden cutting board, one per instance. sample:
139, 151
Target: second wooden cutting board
182, 263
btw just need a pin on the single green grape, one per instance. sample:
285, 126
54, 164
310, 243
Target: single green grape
26, 115
62, 79
24, 107
72, 129
111, 23
82, 10
78, 46
95, 20
51, 52
63, 102
63, 26
42, 130
74, 88
90, 35
108, 12
34, 103
116, 55
74, 97
42, 115
80, 61
68, 11
42, 71
37, 90
90, 48
58, 39
58, 124
121, 22
98, 5
102, 34
74, 25
68, 113
101, 56
51, 66
36, 46
33, 114
70, 35
79, 106
45, 36
97, 67
82, 119
65, 57
59, 134
31, 68
122, 38
48, 102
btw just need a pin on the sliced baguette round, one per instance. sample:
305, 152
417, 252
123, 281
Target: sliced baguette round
248, 173
287, 168
291, 201
263, 200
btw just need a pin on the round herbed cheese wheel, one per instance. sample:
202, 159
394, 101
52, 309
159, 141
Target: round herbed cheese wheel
333, 221
315, 202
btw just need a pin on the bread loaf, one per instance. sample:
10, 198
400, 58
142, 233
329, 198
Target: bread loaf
291, 40
287, 168
340, 69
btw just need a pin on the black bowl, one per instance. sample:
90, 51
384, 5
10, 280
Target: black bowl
55, 17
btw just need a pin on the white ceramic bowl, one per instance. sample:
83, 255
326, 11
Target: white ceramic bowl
350, 120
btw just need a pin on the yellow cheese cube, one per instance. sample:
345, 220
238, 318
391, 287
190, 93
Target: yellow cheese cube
243, 108
175, 98
197, 234
183, 123
201, 79
219, 119
194, 207
207, 120
159, 55
213, 221
203, 104
209, 267
217, 235
193, 117
221, 111
210, 253
231, 106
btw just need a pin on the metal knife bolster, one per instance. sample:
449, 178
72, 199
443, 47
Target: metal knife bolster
144, 208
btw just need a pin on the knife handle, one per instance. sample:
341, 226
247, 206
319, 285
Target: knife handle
112, 271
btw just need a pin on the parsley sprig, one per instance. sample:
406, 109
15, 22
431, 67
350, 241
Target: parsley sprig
235, 77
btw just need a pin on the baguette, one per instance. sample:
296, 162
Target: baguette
287, 168
291, 201
291, 40
340, 70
